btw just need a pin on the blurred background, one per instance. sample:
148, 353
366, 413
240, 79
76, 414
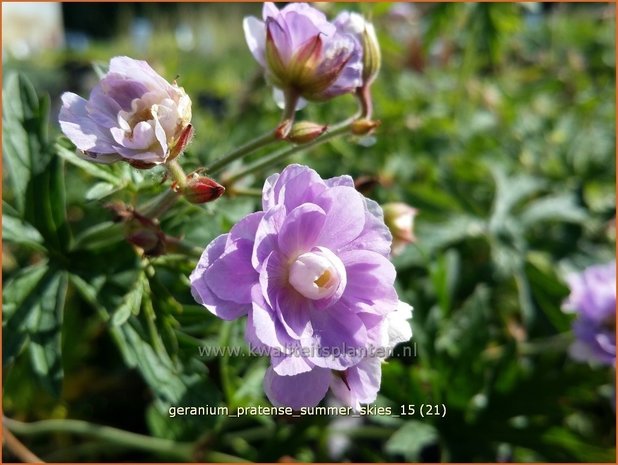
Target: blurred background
498, 126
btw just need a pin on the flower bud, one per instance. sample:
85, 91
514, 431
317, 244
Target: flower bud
363, 30
306, 131
364, 126
399, 218
202, 189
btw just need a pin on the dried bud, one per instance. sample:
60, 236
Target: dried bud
305, 131
362, 127
151, 241
399, 218
202, 189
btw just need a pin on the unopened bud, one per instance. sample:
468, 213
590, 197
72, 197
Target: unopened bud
362, 127
305, 131
399, 218
283, 130
202, 189
372, 58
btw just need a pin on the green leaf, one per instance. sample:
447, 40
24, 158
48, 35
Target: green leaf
559, 207
24, 135
19, 298
96, 170
130, 303
411, 438
99, 236
19, 232
101, 190
44, 327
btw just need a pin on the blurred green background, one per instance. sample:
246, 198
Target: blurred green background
498, 125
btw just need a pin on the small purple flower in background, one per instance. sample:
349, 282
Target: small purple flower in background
303, 53
133, 114
312, 274
593, 297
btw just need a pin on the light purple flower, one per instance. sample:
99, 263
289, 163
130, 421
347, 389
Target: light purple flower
303, 53
593, 297
133, 114
312, 274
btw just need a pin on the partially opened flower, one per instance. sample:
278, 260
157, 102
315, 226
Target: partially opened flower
312, 275
133, 114
593, 297
304, 54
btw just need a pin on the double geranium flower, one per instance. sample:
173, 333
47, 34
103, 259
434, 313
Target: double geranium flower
312, 274
133, 114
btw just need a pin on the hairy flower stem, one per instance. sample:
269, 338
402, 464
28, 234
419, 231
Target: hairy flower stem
273, 159
177, 173
182, 451
251, 146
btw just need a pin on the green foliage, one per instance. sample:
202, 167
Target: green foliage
504, 141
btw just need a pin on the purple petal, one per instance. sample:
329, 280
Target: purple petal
266, 235
339, 338
268, 329
302, 390
76, 123
295, 185
231, 276
345, 216
301, 229
371, 278
201, 291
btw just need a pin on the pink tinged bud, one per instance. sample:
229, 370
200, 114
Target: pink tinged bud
399, 218
364, 126
306, 131
202, 189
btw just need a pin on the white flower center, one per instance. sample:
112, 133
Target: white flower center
317, 274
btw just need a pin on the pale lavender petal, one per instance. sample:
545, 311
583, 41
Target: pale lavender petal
255, 35
362, 383
302, 390
289, 365
76, 123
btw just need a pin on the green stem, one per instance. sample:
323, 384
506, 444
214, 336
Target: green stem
276, 157
175, 245
228, 389
251, 146
179, 451
177, 173
183, 451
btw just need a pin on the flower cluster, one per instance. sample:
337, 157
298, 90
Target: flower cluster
593, 297
312, 274
133, 114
